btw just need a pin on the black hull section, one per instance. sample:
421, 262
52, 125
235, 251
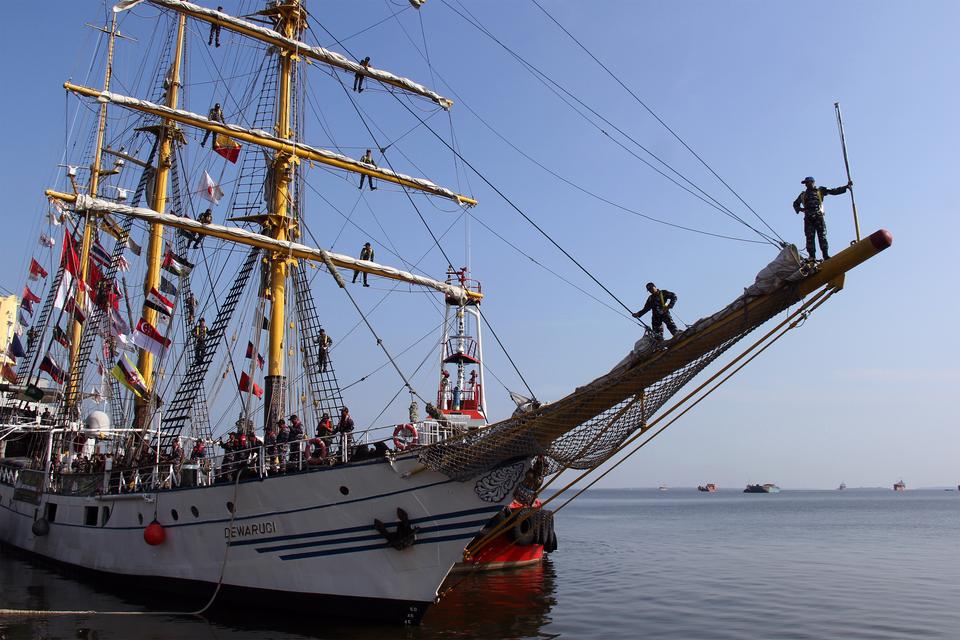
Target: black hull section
238, 604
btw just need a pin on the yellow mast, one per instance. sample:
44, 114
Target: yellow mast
167, 132
89, 222
291, 20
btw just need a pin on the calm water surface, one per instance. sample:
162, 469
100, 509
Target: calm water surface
649, 564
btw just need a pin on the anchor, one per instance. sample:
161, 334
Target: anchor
405, 534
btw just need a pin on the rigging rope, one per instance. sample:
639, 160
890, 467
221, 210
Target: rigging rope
657, 117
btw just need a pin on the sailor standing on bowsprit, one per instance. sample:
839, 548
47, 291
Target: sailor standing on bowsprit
660, 301
810, 201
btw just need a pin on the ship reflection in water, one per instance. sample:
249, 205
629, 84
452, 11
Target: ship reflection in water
513, 603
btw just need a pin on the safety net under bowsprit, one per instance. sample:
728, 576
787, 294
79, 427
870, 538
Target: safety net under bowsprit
586, 427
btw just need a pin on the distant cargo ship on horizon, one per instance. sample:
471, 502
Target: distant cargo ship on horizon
762, 488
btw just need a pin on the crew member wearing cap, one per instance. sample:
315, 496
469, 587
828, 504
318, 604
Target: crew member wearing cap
366, 253
660, 301
810, 201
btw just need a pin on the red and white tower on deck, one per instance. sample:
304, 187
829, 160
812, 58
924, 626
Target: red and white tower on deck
460, 394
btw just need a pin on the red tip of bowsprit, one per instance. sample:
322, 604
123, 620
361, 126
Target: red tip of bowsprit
881, 239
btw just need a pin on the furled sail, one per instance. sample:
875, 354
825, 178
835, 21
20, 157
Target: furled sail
289, 44
242, 236
271, 141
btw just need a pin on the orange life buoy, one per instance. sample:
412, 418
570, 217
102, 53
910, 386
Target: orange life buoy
319, 447
405, 436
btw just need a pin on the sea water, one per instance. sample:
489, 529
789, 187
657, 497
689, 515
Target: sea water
860, 563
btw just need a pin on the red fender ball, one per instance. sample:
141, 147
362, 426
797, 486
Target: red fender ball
154, 534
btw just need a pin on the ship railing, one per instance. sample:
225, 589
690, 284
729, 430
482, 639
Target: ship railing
9, 473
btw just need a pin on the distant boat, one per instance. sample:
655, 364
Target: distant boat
663, 487
843, 485
900, 485
762, 488
708, 488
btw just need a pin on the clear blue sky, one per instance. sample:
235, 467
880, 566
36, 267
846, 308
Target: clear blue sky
862, 393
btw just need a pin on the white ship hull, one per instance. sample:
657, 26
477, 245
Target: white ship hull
307, 535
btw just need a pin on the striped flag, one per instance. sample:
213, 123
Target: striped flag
155, 300
60, 336
99, 255
129, 376
227, 147
51, 368
30, 295
133, 246
149, 339
176, 265
70, 272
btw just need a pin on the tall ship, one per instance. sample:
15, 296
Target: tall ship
172, 417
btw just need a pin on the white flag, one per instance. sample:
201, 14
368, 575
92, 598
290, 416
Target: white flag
210, 189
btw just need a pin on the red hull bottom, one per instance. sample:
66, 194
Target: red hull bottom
503, 553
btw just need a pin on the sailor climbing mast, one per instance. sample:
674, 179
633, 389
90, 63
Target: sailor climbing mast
291, 20
73, 390
167, 133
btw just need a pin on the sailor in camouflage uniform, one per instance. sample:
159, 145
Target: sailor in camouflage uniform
810, 201
660, 301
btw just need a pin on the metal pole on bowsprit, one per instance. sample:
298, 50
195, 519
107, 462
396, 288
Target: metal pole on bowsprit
846, 163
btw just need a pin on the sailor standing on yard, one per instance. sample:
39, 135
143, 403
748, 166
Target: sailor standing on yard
215, 31
366, 253
358, 77
660, 301
810, 201
215, 115
367, 159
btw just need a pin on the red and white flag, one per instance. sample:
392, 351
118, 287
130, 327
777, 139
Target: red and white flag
29, 295
250, 354
71, 269
36, 271
148, 338
176, 265
209, 189
227, 147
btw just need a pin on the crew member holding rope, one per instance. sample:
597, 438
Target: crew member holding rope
810, 201
323, 349
660, 301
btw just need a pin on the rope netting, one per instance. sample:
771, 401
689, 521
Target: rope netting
586, 427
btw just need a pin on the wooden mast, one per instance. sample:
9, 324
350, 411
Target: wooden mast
167, 133
290, 18
73, 391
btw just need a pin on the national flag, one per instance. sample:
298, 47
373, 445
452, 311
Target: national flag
155, 300
227, 147
265, 325
46, 241
16, 347
168, 287
60, 336
129, 376
148, 338
209, 189
55, 219
245, 385
122, 264
36, 271
74, 310
29, 295
55, 372
22, 318
8, 373
250, 355
99, 255
176, 265
27, 305
119, 327
71, 264
133, 246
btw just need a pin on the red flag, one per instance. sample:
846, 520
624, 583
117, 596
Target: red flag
29, 295
36, 271
8, 373
227, 147
71, 271
245, 385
